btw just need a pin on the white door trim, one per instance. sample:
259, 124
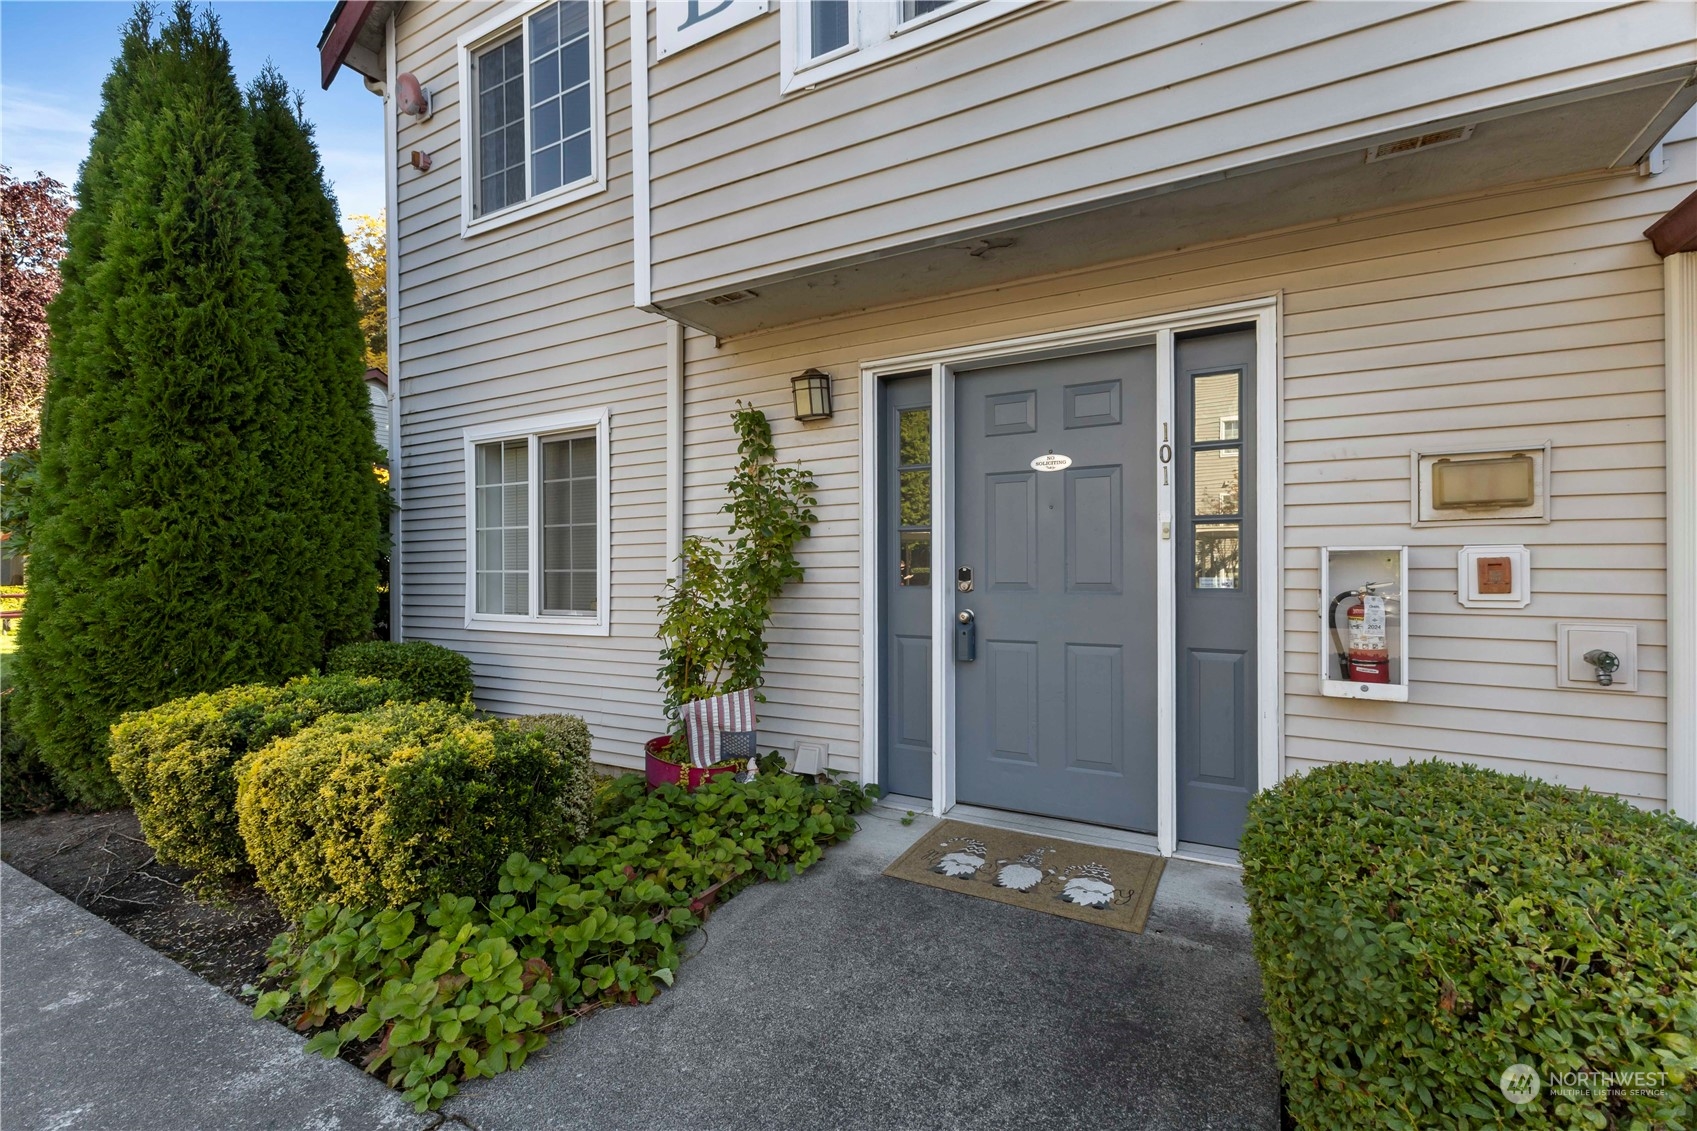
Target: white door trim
1265, 312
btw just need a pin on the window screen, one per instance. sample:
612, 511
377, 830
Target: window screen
569, 527
828, 26
561, 149
503, 527
500, 125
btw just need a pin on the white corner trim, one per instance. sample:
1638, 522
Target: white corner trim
1679, 290
871, 593
392, 339
531, 428
1166, 628
942, 588
507, 17
642, 221
1270, 544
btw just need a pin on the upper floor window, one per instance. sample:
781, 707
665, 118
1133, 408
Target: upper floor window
532, 120
826, 38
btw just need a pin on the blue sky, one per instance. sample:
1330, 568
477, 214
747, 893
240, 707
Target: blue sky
55, 54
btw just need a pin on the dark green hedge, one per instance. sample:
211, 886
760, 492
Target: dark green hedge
429, 670
1421, 928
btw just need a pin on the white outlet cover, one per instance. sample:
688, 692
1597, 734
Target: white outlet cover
1573, 640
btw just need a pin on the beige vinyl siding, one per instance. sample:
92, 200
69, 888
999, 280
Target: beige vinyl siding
525, 320
1513, 317
1061, 104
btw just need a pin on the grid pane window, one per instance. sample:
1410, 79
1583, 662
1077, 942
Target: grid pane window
500, 125
913, 9
569, 525
1216, 460
913, 454
502, 516
828, 26
560, 102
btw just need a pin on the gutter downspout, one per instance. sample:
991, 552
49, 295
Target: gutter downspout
392, 295
1679, 293
674, 445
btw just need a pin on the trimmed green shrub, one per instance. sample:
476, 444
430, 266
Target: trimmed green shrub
1421, 928
430, 670
177, 761
324, 472
168, 516
460, 987
401, 803
568, 737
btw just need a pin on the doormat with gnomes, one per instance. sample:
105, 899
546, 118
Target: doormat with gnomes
1077, 881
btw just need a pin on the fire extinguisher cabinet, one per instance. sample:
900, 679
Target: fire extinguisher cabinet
1347, 574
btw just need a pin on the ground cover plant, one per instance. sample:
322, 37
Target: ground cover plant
1422, 928
456, 987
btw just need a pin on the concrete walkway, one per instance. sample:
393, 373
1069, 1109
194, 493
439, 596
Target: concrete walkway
99, 1032
842, 999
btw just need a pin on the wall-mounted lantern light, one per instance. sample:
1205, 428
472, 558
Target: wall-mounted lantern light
812, 395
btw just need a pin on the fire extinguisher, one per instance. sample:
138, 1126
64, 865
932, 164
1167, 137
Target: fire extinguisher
1368, 657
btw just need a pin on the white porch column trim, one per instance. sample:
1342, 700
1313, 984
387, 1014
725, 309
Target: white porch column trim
1679, 290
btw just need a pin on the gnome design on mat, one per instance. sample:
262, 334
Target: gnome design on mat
1025, 873
959, 857
1088, 885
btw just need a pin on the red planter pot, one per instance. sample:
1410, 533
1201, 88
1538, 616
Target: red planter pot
662, 772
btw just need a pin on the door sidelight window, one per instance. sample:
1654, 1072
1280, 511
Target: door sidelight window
913, 446
1216, 459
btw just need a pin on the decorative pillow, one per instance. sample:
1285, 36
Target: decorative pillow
720, 728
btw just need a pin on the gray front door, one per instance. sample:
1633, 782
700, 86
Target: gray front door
1214, 586
1056, 715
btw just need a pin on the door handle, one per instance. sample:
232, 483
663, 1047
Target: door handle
966, 636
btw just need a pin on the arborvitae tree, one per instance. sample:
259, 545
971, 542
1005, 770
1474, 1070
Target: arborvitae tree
155, 566
328, 499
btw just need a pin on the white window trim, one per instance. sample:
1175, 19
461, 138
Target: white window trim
876, 36
532, 429
509, 17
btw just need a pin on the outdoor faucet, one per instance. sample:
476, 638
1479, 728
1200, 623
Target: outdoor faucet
1606, 663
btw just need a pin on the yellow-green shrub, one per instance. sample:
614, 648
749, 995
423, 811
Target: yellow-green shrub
407, 802
176, 760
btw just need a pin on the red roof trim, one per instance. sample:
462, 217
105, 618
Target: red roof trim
1677, 231
345, 26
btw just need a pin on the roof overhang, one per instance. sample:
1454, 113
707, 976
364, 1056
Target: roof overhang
1677, 231
354, 38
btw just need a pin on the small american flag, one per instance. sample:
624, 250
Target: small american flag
720, 728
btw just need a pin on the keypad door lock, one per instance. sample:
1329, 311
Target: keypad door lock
1606, 663
963, 579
